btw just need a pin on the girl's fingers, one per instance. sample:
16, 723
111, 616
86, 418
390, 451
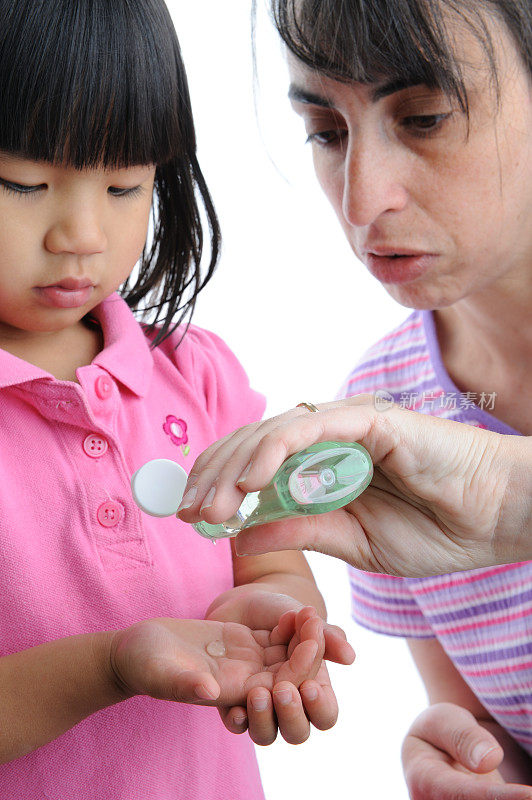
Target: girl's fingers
455, 731
304, 663
235, 719
337, 648
320, 704
194, 687
291, 718
308, 625
285, 628
262, 722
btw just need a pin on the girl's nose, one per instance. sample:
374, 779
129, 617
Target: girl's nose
373, 183
78, 231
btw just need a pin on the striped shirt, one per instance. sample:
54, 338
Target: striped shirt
482, 618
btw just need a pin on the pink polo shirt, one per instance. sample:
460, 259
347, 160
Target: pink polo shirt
76, 554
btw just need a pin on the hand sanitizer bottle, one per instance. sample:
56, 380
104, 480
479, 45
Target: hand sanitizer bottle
323, 477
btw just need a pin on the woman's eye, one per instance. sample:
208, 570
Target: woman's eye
327, 138
116, 191
20, 188
424, 125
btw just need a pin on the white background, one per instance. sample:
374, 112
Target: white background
298, 309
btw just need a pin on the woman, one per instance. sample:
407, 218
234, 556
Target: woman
420, 119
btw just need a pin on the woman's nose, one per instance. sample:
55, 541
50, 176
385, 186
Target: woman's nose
373, 183
77, 229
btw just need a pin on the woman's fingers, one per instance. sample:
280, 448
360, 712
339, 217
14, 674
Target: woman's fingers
248, 460
431, 776
343, 537
456, 731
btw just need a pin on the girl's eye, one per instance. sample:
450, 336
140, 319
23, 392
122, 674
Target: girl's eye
20, 188
425, 125
116, 191
327, 138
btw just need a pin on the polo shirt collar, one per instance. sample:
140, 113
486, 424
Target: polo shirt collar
126, 354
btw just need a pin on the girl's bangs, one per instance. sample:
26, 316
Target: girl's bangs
89, 83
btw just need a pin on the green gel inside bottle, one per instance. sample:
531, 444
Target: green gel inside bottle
321, 478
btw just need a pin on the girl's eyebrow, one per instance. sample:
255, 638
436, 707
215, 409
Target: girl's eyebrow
300, 95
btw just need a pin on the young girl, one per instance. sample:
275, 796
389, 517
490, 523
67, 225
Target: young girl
99, 604
420, 120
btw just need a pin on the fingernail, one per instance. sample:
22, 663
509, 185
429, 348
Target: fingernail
239, 720
203, 693
283, 696
480, 751
313, 651
245, 473
260, 703
207, 503
310, 694
188, 498
238, 550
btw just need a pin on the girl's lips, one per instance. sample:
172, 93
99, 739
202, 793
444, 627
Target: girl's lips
399, 269
59, 297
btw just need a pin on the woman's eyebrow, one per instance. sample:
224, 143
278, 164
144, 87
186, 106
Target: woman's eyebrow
300, 95
393, 86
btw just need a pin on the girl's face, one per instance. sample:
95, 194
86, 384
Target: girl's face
68, 239
407, 178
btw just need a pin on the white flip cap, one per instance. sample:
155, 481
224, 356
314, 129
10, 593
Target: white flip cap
158, 487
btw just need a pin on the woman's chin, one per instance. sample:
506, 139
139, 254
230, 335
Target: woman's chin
421, 296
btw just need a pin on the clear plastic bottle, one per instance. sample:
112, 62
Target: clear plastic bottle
321, 478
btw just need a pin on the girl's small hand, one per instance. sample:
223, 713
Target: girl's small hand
448, 755
260, 609
285, 709
207, 662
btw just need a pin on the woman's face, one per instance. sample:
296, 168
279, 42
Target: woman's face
436, 209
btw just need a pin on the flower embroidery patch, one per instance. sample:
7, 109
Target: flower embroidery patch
176, 429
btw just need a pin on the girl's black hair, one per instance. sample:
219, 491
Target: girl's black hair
92, 83
407, 40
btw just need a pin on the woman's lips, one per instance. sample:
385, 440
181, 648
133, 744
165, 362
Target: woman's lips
60, 297
399, 269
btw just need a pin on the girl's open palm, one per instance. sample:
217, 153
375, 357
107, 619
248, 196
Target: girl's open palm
168, 659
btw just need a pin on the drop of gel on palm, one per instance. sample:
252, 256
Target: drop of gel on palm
216, 649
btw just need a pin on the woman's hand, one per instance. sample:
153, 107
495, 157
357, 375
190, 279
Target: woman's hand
448, 755
285, 708
444, 497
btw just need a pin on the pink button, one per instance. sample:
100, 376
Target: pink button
95, 445
110, 513
104, 387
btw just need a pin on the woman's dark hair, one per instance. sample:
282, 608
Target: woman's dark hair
101, 83
407, 40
